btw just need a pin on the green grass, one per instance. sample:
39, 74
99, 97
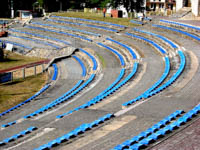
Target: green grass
97, 16
102, 60
19, 90
14, 60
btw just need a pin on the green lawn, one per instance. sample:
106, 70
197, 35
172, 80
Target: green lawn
13, 60
18, 91
97, 16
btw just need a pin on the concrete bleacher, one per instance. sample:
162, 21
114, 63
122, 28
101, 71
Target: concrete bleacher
99, 89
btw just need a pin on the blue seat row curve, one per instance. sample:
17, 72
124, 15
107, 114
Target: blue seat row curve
157, 35
91, 21
108, 91
36, 41
115, 52
148, 41
85, 25
40, 36
179, 31
55, 74
26, 101
174, 77
74, 133
95, 65
125, 46
60, 32
144, 139
181, 24
18, 135
66, 28
154, 86
17, 44
75, 90
149, 133
136, 22
82, 66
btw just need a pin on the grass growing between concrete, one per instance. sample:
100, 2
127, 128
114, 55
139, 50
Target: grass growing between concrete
102, 60
97, 16
14, 60
18, 91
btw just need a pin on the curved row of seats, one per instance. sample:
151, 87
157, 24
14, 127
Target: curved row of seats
16, 44
84, 25
74, 133
109, 91
134, 56
60, 32
137, 22
82, 66
55, 74
174, 77
181, 24
66, 28
95, 65
154, 86
150, 131
148, 41
160, 129
157, 35
91, 21
26, 101
115, 52
17, 136
179, 31
39, 35
35, 40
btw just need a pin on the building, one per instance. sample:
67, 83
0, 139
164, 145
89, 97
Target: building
161, 5
194, 4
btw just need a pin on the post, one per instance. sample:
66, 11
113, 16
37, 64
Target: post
35, 70
12, 10
24, 73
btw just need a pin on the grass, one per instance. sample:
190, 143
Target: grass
18, 91
14, 60
97, 16
102, 60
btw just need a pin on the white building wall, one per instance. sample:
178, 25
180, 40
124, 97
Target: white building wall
195, 7
179, 4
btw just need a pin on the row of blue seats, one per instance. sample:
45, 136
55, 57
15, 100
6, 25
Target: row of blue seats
66, 28
154, 86
159, 130
91, 21
26, 101
115, 52
82, 66
95, 65
39, 35
61, 99
74, 133
16, 44
60, 32
125, 46
181, 24
174, 77
35, 40
85, 25
55, 74
148, 41
110, 90
149, 133
17, 136
179, 31
137, 22
157, 35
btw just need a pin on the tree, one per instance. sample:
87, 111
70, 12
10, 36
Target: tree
129, 5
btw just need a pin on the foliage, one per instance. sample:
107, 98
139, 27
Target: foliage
1, 54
